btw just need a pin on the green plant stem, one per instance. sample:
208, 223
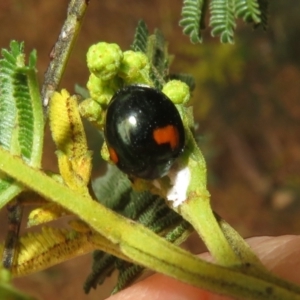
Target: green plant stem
238, 244
253, 265
197, 211
13, 189
221, 239
15, 212
143, 246
62, 49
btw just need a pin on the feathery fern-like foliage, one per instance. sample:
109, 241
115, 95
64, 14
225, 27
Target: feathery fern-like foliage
248, 10
21, 117
141, 37
159, 58
155, 47
192, 14
25, 115
222, 17
16, 103
143, 207
7, 107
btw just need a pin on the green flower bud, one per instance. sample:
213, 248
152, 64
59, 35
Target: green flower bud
104, 60
135, 68
104, 152
177, 91
92, 111
102, 91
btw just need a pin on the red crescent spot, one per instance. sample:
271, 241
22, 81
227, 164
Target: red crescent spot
166, 135
113, 155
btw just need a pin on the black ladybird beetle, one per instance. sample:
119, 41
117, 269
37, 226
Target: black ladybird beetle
144, 132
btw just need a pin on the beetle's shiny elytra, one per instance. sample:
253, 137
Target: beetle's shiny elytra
144, 132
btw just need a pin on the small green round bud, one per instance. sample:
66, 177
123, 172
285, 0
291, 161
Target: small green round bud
104, 59
177, 91
135, 68
102, 91
104, 152
92, 111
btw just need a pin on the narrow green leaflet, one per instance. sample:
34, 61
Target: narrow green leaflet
21, 116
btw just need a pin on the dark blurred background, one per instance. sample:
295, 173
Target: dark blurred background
246, 105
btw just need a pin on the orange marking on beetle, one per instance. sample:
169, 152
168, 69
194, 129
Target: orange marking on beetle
168, 134
113, 155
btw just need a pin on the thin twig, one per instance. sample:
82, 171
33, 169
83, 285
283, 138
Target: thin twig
62, 49
15, 211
